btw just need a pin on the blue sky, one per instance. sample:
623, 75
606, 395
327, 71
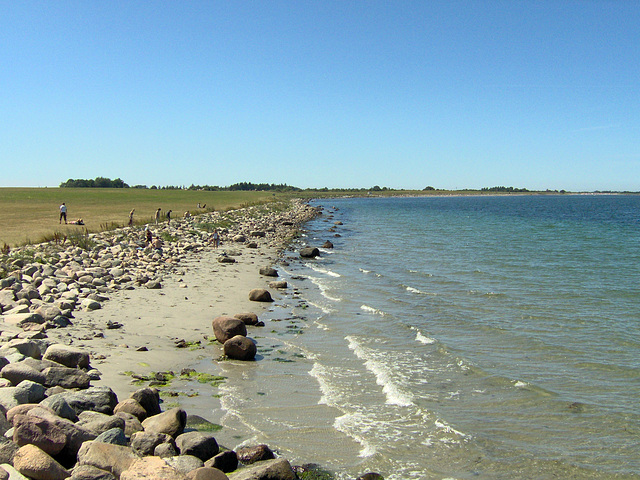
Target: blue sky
404, 94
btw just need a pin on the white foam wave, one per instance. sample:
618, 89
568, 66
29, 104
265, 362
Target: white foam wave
423, 339
322, 270
323, 289
369, 309
364, 271
520, 384
329, 393
346, 424
449, 429
384, 376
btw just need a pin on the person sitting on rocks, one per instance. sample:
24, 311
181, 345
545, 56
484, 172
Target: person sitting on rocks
157, 244
148, 235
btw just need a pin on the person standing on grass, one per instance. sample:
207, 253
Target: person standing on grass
169, 216
158, 216
63, 212
131, 217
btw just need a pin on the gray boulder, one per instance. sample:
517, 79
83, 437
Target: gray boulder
309, 252
279, 468
145, 443
68, 356
199, 444
17, 372
66, 377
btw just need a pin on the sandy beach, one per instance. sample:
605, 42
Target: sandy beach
153, 320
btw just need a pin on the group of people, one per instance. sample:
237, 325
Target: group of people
156, 242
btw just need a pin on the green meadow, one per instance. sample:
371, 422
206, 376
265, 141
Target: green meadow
31, 215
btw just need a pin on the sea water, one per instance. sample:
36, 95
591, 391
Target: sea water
453, 338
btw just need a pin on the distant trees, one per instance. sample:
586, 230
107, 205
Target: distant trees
98, 182
504, 189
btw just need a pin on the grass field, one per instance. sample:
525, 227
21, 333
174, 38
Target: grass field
31, 215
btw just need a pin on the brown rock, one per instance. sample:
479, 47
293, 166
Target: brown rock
225, 328
249, 455
133, 407
247, 317
68, 356
240, 348
206, 473
149, 398
279, 468
39, 432
151, 468
260, 295
171, 422
38, 465
105, 456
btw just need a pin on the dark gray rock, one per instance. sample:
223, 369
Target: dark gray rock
199, 444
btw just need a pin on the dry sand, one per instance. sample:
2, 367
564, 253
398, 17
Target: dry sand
182, 309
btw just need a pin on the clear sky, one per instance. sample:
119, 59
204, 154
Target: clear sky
404, 94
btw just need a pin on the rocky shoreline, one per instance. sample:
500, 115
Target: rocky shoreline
56, 422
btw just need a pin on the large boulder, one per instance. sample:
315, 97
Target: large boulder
226, 461
206, 473
199, 444
144, 443
171, 422
149, 399
105, 456
247, 317
89, 472
34, 463
68, 356
98, 423
309, 252
44, 434
279, 468
151, 467
66, 377
133, 407
268, 272
48, 311
260, 295
240, 348
17, 372
257, 453
225, 328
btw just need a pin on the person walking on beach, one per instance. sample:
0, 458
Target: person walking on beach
157, 216
63, 213
131, 217
216, 239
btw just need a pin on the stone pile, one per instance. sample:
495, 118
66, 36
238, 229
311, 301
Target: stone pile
43, 284
55, 425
